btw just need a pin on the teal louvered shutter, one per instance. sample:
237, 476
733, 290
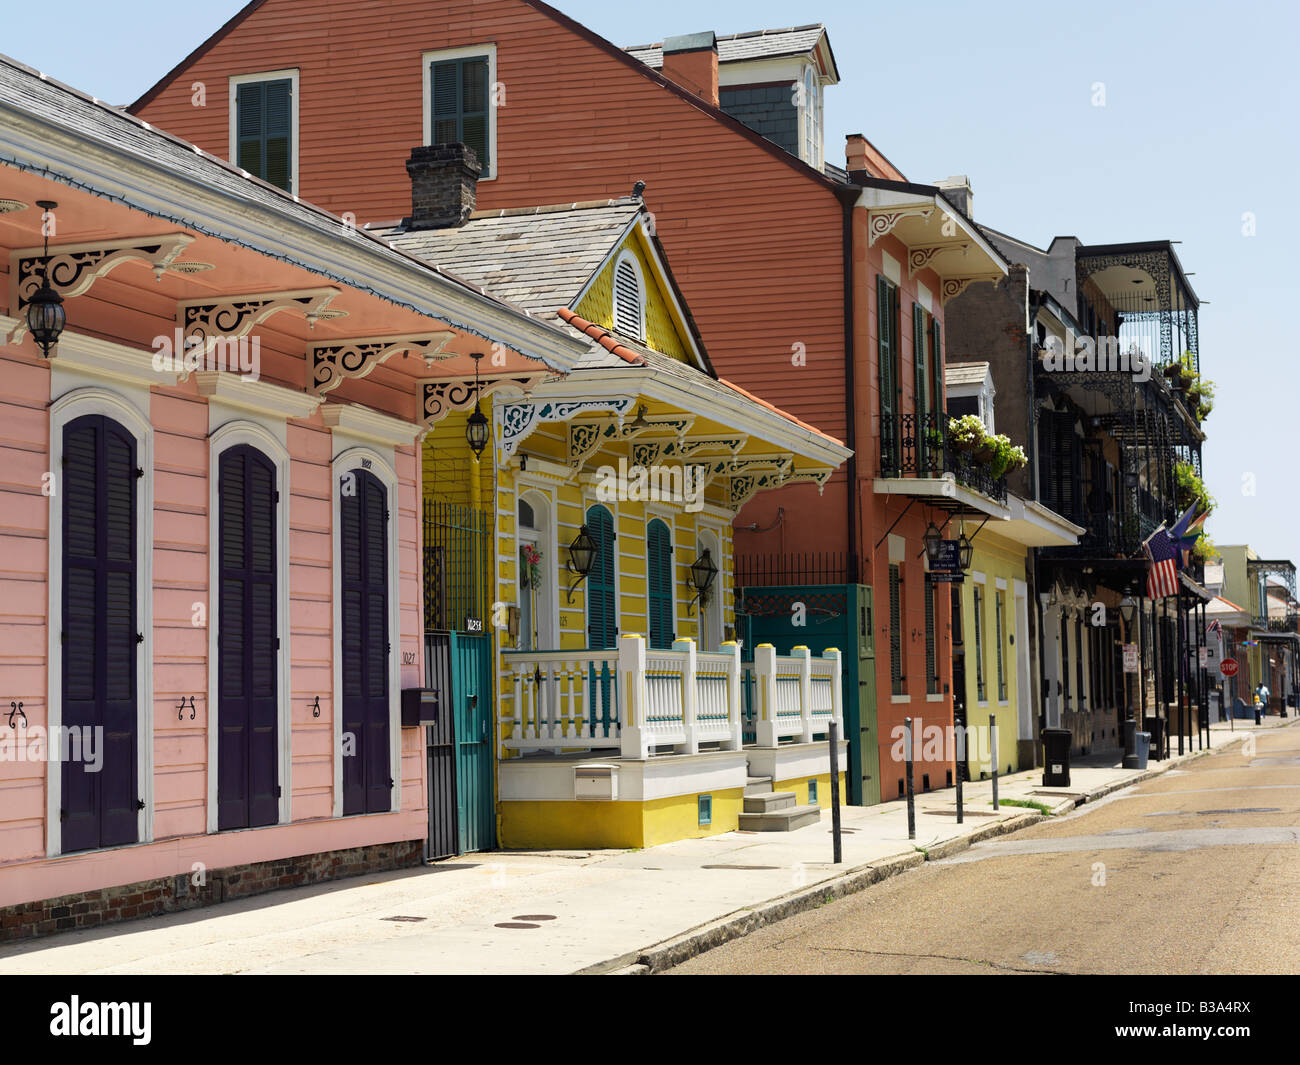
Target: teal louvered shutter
264, 133
659, 584
460, 107
887, 381
602, 628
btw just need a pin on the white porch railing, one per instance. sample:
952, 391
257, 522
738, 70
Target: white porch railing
636, 699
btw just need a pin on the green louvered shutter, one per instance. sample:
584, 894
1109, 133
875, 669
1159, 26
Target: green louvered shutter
887, 379
921, 400
460, 105
264, 137
936, 373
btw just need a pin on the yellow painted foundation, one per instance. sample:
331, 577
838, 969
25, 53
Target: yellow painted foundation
532, 825
799, 785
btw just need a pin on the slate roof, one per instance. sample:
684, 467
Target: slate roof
537, 258
756, 44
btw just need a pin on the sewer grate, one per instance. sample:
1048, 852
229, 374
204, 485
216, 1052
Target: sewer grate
742, 867
515, 924
403, 918
535, 917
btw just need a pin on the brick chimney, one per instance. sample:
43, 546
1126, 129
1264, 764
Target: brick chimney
444, 185
692, 62
956, 190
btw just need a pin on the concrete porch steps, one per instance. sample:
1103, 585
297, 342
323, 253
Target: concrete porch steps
766, 810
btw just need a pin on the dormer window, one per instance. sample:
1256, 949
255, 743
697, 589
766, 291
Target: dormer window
812, 118
629, 298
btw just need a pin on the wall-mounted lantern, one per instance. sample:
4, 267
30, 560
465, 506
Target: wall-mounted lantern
45, 314
933, 538
582, 555
965, 552
703, 571
1128, 611
476, 428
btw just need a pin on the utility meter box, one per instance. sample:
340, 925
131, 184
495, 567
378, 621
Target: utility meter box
595, 780
419, 707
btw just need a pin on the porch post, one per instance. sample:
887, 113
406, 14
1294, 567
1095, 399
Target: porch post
634, 739
765, 693
689, 691
837, 696
735, 701
803, 656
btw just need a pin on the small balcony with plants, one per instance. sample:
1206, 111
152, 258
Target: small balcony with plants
933, 445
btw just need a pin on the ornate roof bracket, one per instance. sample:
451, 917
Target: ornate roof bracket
440, 397
918, 258
772, 469
955, 286
586, 437
330, 363
817, 477
517, 420
73, 268
742, 487
207, 322
882, 221
690, 445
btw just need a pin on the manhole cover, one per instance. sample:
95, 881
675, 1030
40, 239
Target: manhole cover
536, 917
1245, 810
403, 918
515, 924
741, 867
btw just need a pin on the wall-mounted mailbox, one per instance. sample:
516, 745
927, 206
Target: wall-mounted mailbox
595, 780
419, 707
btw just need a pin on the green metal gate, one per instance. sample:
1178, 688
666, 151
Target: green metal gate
818, 617
458, 656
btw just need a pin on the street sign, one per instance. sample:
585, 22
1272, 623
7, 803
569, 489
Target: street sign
1130, 658
948, 560
1203, 654
1228, 667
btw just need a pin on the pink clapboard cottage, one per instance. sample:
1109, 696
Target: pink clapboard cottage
209, 498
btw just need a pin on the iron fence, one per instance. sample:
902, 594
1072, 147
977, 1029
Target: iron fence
457, 566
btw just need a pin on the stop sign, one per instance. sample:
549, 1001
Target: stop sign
1228, 667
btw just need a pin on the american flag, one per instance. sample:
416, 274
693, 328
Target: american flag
1162, 576
1216, 628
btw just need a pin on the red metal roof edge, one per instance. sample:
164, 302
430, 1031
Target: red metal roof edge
777, 410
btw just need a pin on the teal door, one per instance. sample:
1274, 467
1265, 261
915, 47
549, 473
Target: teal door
659, 584
471, 687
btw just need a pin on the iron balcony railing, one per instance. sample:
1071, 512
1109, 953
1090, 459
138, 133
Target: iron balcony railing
920, 447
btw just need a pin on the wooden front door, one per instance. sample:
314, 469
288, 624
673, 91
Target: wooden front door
364, 644
248, 776
99, 633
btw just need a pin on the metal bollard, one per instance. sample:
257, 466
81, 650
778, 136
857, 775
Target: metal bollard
911, 798
961, 757
993, 755
834, 734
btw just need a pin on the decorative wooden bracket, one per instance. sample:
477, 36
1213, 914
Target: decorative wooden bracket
918, 258
332, 362
586, 437
438, 398
518, 420
204, 323
882, 222
73, 268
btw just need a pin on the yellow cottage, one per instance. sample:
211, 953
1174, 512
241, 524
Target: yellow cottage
578, 572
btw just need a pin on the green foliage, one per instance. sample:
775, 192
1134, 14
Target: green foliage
966, 432
1191, 490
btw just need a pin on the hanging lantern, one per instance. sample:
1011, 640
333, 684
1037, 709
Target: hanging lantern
476, 427
45, 314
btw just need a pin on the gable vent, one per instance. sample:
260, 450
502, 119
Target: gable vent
629, 317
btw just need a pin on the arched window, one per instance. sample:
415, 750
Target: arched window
659, 584
629, 298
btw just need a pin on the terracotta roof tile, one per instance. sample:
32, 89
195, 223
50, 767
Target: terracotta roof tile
603, 337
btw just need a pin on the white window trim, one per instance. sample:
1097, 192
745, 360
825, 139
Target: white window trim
233, 434
382, 468
429, 58
68, 407
627, 256
550, 565
237, 80
708, 537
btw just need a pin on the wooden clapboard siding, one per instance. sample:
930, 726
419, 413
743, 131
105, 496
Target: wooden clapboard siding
24, 595
311, 621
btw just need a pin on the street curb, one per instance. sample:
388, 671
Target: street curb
672, 952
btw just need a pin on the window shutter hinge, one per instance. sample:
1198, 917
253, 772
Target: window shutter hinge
277, 495
63, 813
139, 471
63, 636
139, 804
277, 791
139, 637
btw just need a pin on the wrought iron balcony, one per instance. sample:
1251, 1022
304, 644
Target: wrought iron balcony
920, 447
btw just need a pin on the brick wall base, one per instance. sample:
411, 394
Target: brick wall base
150, 898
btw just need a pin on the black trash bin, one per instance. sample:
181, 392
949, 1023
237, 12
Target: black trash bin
1141, 751
1155, 726
1056, 758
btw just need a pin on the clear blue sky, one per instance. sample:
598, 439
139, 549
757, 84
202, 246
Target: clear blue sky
1198, 128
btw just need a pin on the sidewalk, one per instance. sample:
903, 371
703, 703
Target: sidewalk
565, 912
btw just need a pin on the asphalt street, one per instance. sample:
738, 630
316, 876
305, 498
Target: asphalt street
1194, 872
